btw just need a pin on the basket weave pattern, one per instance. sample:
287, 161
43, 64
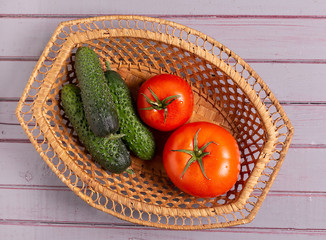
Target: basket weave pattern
227, 92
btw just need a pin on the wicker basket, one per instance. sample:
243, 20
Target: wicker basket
227, 92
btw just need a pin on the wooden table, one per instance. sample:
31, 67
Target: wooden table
284, 41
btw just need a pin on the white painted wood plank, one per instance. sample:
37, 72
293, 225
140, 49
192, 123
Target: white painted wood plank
249, 38
292, 211
12, 132
288, 81
26, 168
266, 38
34, 204
292, 82
15, 75
23, 231
301, 116
7, 112
29, 37
57, 205
184, 7
303, 170
301, 211
308, 122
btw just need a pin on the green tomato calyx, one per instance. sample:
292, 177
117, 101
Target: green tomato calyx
196, 155
158, 104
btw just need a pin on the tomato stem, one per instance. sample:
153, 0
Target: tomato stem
108, 66
196, 155
130, 171
158, 104
114, 136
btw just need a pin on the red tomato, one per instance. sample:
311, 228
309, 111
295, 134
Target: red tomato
165, 102
202, 144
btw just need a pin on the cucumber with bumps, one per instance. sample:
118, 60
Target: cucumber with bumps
110, 152
99, 107
137, 137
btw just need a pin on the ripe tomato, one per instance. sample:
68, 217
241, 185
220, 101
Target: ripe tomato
165, 102
202, 159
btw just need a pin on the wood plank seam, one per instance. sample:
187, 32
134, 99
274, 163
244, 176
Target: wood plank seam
271, 230
226, 16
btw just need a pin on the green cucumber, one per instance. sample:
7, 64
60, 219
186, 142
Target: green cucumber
110, 152
138, 138
99, 107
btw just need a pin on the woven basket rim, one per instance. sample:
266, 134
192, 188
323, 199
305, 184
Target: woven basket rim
46, 86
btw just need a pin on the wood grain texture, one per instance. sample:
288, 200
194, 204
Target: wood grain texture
301, 115
278, 76
251, 38
284, 42
294, 82
56, 206
26, 169
175, 7
36, 230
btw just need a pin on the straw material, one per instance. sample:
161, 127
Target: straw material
227, 92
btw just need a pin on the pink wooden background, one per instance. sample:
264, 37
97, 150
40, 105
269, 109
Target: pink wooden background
284, 41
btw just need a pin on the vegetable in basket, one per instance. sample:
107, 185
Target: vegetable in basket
99, 107
137, 137
202, 159
110, 152
165, 102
